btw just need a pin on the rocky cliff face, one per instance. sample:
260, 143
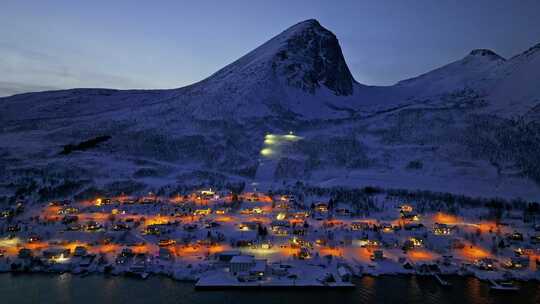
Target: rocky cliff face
312, 57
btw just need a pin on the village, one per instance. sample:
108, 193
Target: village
254, 239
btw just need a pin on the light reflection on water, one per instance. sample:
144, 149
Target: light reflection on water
40, 288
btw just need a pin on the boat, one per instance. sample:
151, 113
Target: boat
502, 286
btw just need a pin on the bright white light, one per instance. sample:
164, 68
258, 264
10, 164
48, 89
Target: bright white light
266, 152
291, 137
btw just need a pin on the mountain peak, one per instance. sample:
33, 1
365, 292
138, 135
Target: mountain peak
305, 56
484, 53
307, 23
310, 57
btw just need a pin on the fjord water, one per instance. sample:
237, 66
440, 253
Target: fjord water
66, 288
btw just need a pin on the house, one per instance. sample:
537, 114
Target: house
279, 223
516, 236
442, 229
413, 243
56, 253
321, 207
366, 243
157, 229
279, 230
405, 208
359, 225
299, 214
245, 226
93, 226
121, 227
387, 227
14, 228
68, 210
166, 242
206, 211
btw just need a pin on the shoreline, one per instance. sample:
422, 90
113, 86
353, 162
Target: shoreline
195, 279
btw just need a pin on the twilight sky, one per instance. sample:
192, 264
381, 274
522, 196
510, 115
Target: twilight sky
168, 44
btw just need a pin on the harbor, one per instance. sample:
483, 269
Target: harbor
66, 288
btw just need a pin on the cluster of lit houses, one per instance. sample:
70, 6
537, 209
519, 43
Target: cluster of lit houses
251, 235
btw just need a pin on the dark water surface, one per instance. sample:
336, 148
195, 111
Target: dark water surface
96, 289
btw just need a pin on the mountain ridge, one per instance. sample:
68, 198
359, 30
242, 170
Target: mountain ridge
457, 124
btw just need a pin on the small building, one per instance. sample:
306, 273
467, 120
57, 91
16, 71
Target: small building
442, 229
413, 243
321, 207
485, 264
519, 262
241, 263
279, 223
245, 226
206, 211
405, 208
516, 236
93, 226
359, 225
56, 253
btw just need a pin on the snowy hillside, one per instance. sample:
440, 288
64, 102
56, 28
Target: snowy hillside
469, 127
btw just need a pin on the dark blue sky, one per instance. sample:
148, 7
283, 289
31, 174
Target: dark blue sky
165, 44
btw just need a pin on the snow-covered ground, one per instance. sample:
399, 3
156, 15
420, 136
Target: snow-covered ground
470, 127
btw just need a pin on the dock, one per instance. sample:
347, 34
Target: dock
228, 282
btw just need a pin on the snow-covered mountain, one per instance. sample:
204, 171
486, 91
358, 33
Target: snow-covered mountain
468, 127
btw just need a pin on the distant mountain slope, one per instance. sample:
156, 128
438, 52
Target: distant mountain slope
468, 127
518, 91
476, 70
